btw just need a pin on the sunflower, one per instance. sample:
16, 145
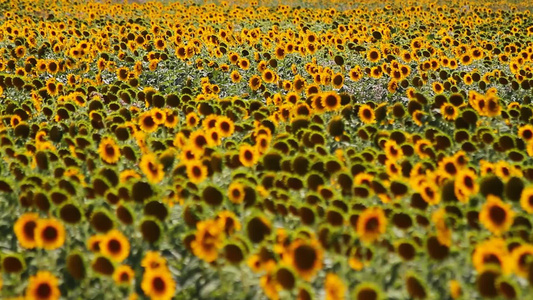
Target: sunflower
192, 119
43, 286
496, 215
448, 165
331, 101
213, 137
152, 168
254, 82
25, 230
449, 112
526, 133
198, 140
529, 149
466, 59
93, 242
236, 192
376, 72
229, 221
492, 107
248, 155
492, 251
392, 86
456, 291
209, 239
465, 185
189, 153
51, 87
262, 143
305, 257
335, 288
108, 150
367, 291
123, 275
270, 286
158, 115
158, 285
225, 126
122, 73
486, 167
196, 171
371, 224
147, 122
373, 55
52, 67
337, 81
392, 150
244, 63
49, 234
160, 44
299, 83
526, 199
522, 257
233, 58
393, 168
367, 114
154, 261
128, 174
268, 76
444, 233
417, 117
356, 73
15, 120
430, 193
115, 245
235, 76
171, 119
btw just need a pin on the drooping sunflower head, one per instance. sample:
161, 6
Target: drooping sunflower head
367, 291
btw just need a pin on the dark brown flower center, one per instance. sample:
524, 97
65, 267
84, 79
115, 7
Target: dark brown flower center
158, 284
497, 215
50, 233
114, 246
29, 229
305, 257
44, 291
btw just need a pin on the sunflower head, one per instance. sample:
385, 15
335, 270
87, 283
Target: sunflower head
496, 215
49, 234
43, 285
371, 224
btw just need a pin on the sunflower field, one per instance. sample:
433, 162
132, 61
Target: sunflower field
297, 149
